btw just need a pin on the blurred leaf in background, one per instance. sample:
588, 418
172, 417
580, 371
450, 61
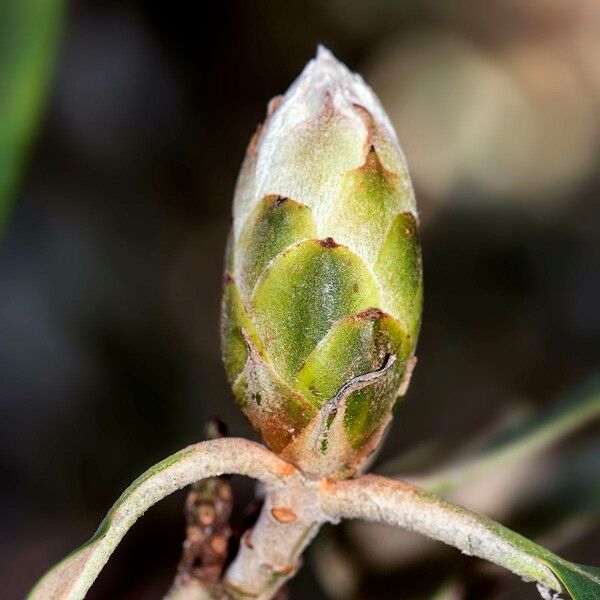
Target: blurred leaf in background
29, 32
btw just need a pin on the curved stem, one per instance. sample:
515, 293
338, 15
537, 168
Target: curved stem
71, 578
295, 507
398, 503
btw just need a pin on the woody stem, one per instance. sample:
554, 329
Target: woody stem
270, 553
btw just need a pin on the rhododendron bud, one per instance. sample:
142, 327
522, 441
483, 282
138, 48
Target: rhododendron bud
323, 283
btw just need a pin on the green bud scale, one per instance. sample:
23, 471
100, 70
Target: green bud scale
323, 283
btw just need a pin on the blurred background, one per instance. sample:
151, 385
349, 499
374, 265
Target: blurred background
122, 128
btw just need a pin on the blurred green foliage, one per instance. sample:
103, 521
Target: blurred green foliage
29, 32
576, 409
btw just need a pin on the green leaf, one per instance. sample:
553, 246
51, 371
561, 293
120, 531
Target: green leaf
367, 408
399, 272
275, 224
277, 412
301, 294
354, 346
234, 320
361, 214
571, 412
582, 583
572, 492
29, 32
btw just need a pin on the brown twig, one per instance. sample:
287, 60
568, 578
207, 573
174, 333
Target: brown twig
207, 511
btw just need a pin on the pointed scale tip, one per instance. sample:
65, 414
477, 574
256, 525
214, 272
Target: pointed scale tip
326, 64
324, 53
326, 76
322, 76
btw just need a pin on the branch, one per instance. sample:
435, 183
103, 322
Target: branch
270, 553
193, 590
71, 578
294, 509
208, 508
395, 502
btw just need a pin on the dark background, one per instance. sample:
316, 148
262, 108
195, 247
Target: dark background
110, 265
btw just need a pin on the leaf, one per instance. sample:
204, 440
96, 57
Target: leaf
362, 212
275, 224
569, 413
354, 346
399, 272
582, 583
571, 410
234, 320
72, 577
29, 32
301, 294
277, 412
568, 500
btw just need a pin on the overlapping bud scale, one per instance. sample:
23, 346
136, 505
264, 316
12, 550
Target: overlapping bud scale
323, 284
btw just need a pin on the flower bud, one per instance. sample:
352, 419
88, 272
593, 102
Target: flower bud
323, 284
